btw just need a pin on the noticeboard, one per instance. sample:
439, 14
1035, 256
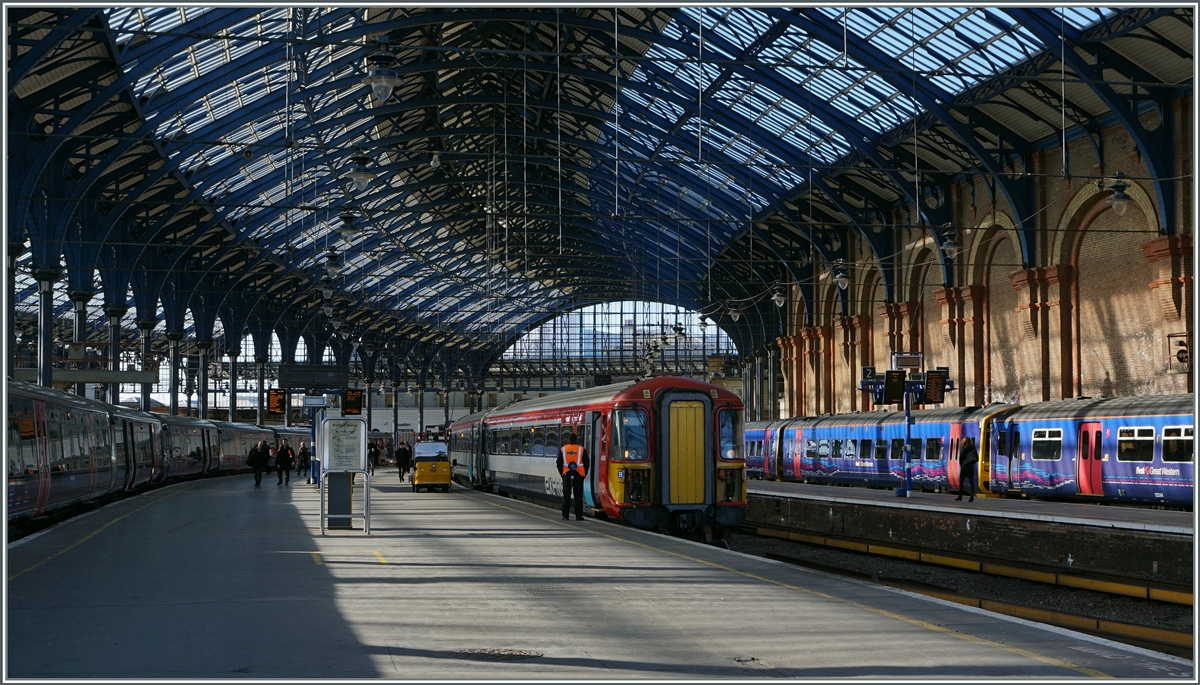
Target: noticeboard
345, 445
352, 406
276, 401
935, 387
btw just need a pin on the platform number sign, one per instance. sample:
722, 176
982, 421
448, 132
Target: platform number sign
893, 386
935, 387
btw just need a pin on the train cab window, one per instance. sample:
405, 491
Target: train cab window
850, 451
897, 449
836, 449
810, 449
730, 434
1047, 444
933, 449
881, 447
1135, 444
629, 435
1177, 443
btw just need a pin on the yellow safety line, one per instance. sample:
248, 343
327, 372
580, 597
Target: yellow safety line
379, 557
94, 533
317, 558
912, 621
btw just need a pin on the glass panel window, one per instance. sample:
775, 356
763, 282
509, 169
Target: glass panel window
552, 440
897, 449
1001, 441
1177, 443
881, 448
836, 453
810, 448
1047, 444
1135, 444
864, 448
851, 450
630, 441
22, 439
823, 449
933, 449
729, 427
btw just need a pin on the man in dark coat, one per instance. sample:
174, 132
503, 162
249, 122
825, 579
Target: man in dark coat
573, 464
259, 459
968, 461
403, 459
284, 458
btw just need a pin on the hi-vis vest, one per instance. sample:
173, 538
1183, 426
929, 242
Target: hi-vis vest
572, 459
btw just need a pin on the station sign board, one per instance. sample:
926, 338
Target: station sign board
330, 376
344, 444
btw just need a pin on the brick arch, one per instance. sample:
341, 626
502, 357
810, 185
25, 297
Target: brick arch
981, 244
1086, 205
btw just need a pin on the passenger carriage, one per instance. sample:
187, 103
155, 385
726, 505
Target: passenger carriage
665, 452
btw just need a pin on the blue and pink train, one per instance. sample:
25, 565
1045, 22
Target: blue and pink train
1122, 449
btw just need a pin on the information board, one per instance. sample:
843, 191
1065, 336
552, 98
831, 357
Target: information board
345, 445
935, 387
352, 405
276, 401
893, 386
314, 376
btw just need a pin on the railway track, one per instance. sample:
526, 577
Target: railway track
1168, 641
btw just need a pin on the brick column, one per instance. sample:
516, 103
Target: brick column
902, 328
853, 352
787, 366
817, 374
962, 330
1174, 287
1046, 314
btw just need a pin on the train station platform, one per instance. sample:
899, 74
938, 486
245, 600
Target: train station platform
218, 579
1151, 546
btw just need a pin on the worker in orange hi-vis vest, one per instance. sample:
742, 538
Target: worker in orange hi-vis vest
573, 464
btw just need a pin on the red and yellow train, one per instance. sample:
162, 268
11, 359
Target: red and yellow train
666, 452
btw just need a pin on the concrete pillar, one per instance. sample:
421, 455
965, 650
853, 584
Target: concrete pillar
260, 363
45, 279
115, 314
144, 328
202, 378
173, 338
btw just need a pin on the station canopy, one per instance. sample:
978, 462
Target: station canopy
458, 176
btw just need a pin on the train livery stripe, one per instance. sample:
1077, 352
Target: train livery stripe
1042, 658
687, 451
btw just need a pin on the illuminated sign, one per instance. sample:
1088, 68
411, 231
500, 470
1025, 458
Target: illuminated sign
352, 405
893, 386
935, 387
276, 401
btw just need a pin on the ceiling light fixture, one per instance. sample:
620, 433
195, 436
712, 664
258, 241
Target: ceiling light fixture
1119, 199
436, 161
381, 77
735, 314
359, 174
779, 298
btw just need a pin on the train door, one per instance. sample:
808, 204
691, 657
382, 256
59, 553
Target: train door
777, 452
130, 454
952, 458
684, 436
1089, 471
590, 439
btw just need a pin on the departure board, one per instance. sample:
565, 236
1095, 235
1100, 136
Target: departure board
935, 387
276, 401
352, 405
893, 386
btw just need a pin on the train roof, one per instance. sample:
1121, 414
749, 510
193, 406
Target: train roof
229, 425
187, 421
69, 399
1085, 407
596, 395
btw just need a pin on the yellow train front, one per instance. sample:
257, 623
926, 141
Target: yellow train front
665, 452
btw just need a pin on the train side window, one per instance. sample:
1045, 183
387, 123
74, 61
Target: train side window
54, 442
864, 448
22, 439
1001, 440
823, 449
1135, 444
551, 448
810, 448
897, 449
915, 449
1047, 444
1177, 443
850, 451
933, 449
515, 440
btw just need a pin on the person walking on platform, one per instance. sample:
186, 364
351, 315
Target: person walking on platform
284, 459
968, 462
258, 459
302, 459
573, 463
372, 456
403, 459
